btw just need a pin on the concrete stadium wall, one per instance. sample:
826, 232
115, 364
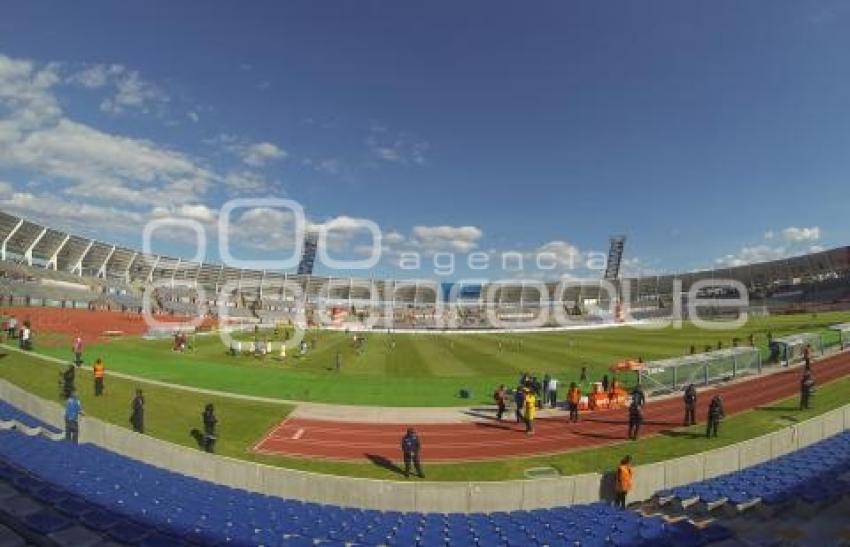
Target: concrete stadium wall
444, 497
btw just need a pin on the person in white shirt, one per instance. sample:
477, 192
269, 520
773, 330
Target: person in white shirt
552, 395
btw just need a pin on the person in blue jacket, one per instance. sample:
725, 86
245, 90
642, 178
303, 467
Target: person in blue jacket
73, 411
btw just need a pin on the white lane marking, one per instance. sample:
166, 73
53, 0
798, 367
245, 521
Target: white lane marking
298, 434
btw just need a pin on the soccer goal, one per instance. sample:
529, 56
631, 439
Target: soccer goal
669, 375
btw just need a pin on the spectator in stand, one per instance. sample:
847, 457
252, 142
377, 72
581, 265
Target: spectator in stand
73, 411
78, 350
500, 398
807, 388
519, 401
573, 399
99, 374
623, 482
137, 412
411, 448
635, 419
210, 424
715, 414
552, 395
530, 411
690, 405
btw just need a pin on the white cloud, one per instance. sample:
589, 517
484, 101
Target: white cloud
118, 180
96, 76
258, 154
769, 234
461, 239
133, 92
247, 182
193, 116
752, 255
402, 148
255, 154
792, 234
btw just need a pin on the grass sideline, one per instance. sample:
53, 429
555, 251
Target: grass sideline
419, 370
172, 413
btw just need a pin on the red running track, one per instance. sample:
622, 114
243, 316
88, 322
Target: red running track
490, 439
91, 325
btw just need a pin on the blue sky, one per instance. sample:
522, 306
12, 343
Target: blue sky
708, 132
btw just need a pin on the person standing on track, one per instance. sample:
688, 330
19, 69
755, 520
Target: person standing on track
500, 398
807, 356
99, 374
573, 399
715, 414
137, 412
530, 411
624, 482
552, 395
690, 405
410, 448
807, 388
519, 401
635, 419
638, 396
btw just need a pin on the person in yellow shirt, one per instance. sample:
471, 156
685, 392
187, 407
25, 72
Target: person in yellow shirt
624, 481
99, 374
530, 411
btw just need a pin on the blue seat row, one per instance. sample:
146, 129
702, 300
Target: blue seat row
10, 413
813, 472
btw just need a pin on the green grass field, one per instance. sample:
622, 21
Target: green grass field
171, 414
420, 370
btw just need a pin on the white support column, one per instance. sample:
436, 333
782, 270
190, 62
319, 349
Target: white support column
8, 237
28, 252
198, 273
101, 272
262, 280
78, 266
218, 279
155, 264
54, 259
174, 271
129, 266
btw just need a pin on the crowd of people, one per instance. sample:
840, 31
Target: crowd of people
531, 395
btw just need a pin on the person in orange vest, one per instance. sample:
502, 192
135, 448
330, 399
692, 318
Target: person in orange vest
573, 399
99, 373
624, 482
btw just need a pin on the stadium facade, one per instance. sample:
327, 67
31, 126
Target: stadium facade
56, 264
